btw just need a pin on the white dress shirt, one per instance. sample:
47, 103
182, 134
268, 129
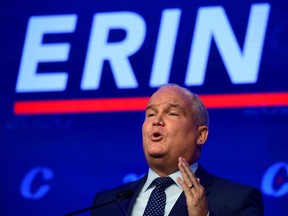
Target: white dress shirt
172, 192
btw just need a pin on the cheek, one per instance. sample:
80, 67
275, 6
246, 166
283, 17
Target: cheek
145, 130
177, 131
144, 127
184, 135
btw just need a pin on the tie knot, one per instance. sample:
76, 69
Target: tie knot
163, 182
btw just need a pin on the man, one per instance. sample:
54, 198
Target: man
174, 130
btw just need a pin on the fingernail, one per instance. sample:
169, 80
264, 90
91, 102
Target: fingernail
183, 162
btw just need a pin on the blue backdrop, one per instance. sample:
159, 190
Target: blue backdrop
76, 76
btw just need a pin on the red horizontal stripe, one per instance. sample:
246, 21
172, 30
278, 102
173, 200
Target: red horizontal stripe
139, 103
80, 105
245, 100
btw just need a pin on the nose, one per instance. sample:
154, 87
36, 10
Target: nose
158, 121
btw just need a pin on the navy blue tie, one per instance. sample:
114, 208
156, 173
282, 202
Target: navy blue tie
157, 200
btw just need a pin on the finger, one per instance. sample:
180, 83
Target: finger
187, 191
188, 183
183, 185
184, 172
190, 174
187, 170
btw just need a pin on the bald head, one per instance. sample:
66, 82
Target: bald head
199, 111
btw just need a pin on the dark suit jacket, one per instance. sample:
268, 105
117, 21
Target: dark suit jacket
225, 198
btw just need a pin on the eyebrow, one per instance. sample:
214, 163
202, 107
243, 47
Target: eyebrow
170, 105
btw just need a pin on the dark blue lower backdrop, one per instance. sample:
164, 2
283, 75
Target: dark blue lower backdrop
76, 77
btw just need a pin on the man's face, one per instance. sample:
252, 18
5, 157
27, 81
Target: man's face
169, 130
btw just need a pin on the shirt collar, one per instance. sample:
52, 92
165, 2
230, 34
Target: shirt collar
153, 175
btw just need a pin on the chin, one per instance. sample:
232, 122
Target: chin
156, 155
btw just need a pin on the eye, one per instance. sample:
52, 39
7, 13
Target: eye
173, 114
150, 114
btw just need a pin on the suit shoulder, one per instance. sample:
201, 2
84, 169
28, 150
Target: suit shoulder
224, 184
225, 195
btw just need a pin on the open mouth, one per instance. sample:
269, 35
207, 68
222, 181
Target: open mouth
156, 136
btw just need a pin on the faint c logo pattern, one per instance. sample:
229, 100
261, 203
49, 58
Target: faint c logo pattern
275, 180
34, 184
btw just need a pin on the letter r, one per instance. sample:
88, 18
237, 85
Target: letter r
117, 53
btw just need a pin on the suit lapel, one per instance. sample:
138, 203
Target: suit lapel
136, 188
205, 178
180, 207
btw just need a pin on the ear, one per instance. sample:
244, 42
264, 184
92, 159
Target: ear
202, 132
